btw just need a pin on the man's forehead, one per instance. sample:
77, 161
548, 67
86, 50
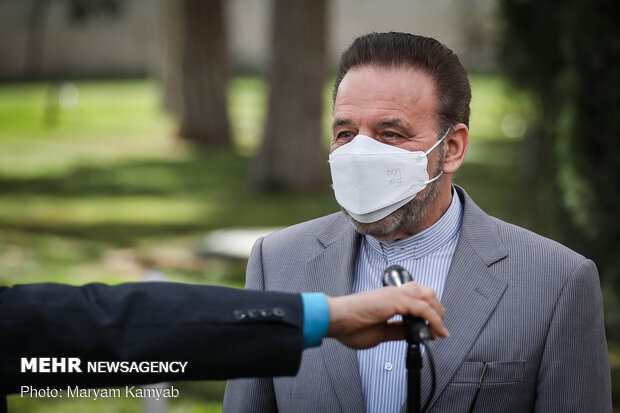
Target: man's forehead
402, 82
404, 70
388, 95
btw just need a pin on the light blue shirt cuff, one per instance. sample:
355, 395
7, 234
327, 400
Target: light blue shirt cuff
316, 318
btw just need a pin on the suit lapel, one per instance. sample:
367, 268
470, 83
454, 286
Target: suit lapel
470, 295
332, 272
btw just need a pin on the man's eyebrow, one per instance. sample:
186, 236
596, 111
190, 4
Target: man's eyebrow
341, 122
394, 123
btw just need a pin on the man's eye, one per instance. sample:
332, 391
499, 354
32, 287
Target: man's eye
391, 135
345, 135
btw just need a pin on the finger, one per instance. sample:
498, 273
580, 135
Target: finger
435, 332
426, 311
426, 294
411, 298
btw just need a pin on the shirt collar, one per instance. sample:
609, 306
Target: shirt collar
424, 242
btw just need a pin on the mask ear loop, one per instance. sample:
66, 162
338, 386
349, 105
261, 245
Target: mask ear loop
439, 141
431, 149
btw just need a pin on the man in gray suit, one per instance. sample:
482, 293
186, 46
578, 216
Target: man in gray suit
525, 313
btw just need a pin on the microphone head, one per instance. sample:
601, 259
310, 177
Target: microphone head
395, 276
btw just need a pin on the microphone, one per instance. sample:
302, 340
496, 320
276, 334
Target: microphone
417, 331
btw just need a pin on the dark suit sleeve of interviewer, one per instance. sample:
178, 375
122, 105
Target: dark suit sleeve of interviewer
220, 332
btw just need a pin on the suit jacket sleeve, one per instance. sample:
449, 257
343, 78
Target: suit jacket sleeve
221, 332
574, 374
255, 394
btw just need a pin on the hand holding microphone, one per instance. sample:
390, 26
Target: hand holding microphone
417, 331
360, 320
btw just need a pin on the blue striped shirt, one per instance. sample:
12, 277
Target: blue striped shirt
427, 256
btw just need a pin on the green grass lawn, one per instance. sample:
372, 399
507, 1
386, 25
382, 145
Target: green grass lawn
101, 190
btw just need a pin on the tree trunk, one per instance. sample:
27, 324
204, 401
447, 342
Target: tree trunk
291, 155
204, 74
33, 65
172, 53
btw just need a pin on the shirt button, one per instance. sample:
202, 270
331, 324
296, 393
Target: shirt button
388, 366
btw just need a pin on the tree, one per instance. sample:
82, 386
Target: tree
291, 156
196, 70
79, 12
568, 54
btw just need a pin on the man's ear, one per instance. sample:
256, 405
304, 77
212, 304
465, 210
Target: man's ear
456, 147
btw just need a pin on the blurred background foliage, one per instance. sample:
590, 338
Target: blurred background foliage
105, 179
108, 186
569, 59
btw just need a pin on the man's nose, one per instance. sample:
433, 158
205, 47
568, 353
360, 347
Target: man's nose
367, 132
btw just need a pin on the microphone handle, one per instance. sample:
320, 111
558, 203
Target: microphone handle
417, 331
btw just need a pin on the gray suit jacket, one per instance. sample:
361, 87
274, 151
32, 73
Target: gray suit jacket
529, 307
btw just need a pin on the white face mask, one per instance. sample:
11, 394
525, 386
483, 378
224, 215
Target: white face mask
371, 179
